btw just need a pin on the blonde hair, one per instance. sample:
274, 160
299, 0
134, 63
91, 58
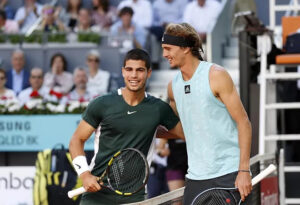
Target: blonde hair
190, 34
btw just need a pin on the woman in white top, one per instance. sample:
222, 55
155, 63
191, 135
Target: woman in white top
5, 93
98, 79
58, 79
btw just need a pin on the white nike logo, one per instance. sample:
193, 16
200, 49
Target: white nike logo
129, 113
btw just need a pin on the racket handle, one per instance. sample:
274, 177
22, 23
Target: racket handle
271, 168
76, 192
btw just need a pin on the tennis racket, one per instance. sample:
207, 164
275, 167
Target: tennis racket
226, 196
127, 173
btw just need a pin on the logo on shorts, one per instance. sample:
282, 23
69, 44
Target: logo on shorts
187, 89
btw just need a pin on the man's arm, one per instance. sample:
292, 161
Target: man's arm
177, 130
223, 88
76, 147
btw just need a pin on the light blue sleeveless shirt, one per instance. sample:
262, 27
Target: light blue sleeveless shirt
211, 134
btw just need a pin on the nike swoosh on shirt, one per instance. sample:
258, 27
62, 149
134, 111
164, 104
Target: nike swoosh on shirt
129, 113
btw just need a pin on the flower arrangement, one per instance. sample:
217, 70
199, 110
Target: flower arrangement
40, 106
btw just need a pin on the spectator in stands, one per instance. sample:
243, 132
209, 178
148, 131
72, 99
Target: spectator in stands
206, 10
103, 14
8, 10
164, 12
142, 11
176, 162
17, 77
167, 11
7, 25
84, 23
35, 90
69, 16
58, 80
27, 15
127, 27
50, 23
98, 79
5, 93
80, 93
157, 182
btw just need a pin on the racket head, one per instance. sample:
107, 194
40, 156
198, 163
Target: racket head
217, 196
127, 171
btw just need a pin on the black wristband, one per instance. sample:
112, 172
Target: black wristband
244, 170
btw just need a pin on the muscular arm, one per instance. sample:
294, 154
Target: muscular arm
80, 136
223, 88
76, 147
177, 131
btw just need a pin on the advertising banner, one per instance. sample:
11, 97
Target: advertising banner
16, 184
38, 132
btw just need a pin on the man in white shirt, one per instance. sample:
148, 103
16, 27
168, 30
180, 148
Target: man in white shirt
80, 93
36, 90
28, 14
142, 11
98, 79
202, 15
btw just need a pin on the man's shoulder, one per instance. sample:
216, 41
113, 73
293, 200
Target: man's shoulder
25, 92
156, 100
104, 73
107, 98
8, 72
192, 4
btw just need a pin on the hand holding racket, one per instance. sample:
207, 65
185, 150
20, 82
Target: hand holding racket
226, 196
127, 173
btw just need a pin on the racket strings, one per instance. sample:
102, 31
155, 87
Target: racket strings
127, 172
215, 197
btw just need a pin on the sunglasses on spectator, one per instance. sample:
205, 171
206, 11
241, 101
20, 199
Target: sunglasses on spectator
93, 59
48, 11
2, 78
36, 76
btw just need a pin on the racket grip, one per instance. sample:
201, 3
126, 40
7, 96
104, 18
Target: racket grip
76, 192
271, 168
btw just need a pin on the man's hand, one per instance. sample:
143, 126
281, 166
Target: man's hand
89, 182
243, 183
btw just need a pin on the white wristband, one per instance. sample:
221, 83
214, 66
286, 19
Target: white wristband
80, 164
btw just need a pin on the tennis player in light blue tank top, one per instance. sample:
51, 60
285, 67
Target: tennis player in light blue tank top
212, 142
216, 127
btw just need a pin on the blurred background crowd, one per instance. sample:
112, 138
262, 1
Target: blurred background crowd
143, 21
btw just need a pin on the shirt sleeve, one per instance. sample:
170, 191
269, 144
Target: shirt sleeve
92, 114
168, 118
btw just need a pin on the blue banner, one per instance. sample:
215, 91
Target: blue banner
38, 132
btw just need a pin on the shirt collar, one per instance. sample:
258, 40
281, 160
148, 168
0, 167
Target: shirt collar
15, 73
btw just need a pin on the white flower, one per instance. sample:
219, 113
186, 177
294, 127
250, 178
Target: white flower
85, 104
56, 108
73, 105
11, 102
51, 107
33, 103
14, 107
60, 108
